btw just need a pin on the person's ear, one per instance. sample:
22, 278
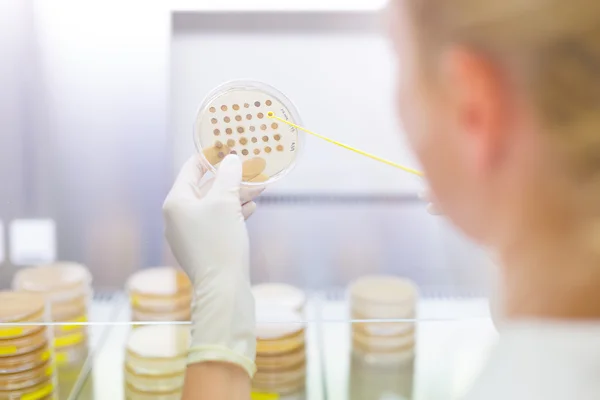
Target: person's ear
478, 104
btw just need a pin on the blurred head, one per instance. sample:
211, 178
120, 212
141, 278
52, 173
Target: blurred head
501, 103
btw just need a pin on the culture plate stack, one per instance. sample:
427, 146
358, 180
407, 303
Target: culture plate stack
280, 346
160, 294
155, 362
390, 302
67, 288
26, 357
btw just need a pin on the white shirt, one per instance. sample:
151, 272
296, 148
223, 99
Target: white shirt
542, 361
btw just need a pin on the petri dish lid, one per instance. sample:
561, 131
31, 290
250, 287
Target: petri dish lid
9, 365
159, 281
42, 391
233, 118
19, 306
281, 376
279, 294
184, 314
69, 311
154, 383
274, 323
282, 361
159, 341
382, 289
59, 281
24, 344
384, 343
132, 393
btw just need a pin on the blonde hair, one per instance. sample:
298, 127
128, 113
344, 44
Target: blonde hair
554, 47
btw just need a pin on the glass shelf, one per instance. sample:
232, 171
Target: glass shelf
452, 339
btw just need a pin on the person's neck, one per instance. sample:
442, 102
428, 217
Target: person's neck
556, 278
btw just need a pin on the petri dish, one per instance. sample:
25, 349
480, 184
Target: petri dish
289, 360
282, 382
154, 383
26, 379
20, 307
271, 378
160, 289
381, 328
61, 330
133, 394
278, 330
158, 349
73, 354
159, 304
70, 339
280, 345
234, 118
73, 309
384, 343
383, 297
279, 295
177, 315
24, 344
43, 390
383, 359
59, 282
24, 362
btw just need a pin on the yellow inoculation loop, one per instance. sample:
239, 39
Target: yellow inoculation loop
272, 115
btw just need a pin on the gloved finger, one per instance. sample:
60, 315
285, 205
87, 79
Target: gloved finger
253, 167
186, 183
215, 154
248, 209
229, 175
248, 194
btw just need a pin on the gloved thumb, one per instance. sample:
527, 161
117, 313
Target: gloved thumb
229, 174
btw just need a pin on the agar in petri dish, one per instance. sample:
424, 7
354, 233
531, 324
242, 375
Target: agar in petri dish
259, 100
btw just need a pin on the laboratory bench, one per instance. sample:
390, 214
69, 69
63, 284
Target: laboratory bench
452, 337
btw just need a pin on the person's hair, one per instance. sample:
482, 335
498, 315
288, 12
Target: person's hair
553, 46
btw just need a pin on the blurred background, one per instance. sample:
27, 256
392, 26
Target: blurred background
97, 102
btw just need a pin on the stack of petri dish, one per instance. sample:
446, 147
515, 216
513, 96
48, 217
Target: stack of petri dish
67, 288
384, 307
155, 362
160, 294
280, 340
26, 357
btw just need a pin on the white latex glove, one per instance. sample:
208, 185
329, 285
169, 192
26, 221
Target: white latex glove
206, 230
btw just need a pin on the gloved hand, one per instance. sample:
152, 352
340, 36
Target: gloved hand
206, 230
